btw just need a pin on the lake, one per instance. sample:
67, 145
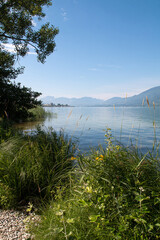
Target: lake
88, 125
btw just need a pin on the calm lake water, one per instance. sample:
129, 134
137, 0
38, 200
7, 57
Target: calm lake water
88, 125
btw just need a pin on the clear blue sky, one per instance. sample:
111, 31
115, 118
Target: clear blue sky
104, 48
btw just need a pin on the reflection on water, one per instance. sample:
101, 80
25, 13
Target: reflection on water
28, 125
128, 124
33, 124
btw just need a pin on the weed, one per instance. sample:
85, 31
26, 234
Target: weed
115, 195
33, 166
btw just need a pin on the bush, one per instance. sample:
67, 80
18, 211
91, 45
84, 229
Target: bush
33, 166
6, 130
116, 195
38, 113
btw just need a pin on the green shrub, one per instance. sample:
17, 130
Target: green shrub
33, 166
6, 130
116, 195
6, 196
38, 113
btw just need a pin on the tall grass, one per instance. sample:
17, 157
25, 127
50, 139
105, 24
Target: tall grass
38, 113
33, 166
7, 131
115, 195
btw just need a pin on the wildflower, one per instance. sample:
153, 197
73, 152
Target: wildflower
118, 147
99, 158
89, 189
141, 189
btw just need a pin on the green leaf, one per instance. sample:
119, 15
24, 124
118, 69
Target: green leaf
93, 218
58, 230
70, 220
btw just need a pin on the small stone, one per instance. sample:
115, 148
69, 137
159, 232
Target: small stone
12, 225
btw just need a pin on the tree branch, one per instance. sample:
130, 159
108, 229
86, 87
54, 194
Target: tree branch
19, 39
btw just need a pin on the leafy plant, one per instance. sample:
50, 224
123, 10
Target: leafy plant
115, 195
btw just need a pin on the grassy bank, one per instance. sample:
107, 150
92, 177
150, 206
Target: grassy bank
33, 166
115, 195
111, 193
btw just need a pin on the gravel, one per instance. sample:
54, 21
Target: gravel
13, 225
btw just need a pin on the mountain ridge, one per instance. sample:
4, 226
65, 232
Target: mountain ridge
153, 95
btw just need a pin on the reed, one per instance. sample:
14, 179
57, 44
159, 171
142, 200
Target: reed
33, 166
38, 113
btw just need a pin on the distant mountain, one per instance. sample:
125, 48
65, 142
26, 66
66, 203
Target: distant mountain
48, 99
85, 101
153, 95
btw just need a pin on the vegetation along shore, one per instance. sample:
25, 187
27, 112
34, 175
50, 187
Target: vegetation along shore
110, 192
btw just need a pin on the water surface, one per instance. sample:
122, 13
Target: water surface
88, 124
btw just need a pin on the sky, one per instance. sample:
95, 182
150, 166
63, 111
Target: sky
104, 49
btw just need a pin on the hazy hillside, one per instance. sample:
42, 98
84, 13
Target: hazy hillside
85, 101
153, 95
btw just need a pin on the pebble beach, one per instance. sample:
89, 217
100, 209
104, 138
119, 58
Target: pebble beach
13, 225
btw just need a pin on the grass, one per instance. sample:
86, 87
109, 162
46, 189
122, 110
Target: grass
7, 131
115, 194
32, 167
38, 113
110, 193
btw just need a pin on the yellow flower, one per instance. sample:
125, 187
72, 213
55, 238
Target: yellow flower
73, 158
99, 158
89, 189
118, 147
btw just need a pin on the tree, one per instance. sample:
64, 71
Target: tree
7, 70
15, 101
17, 28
